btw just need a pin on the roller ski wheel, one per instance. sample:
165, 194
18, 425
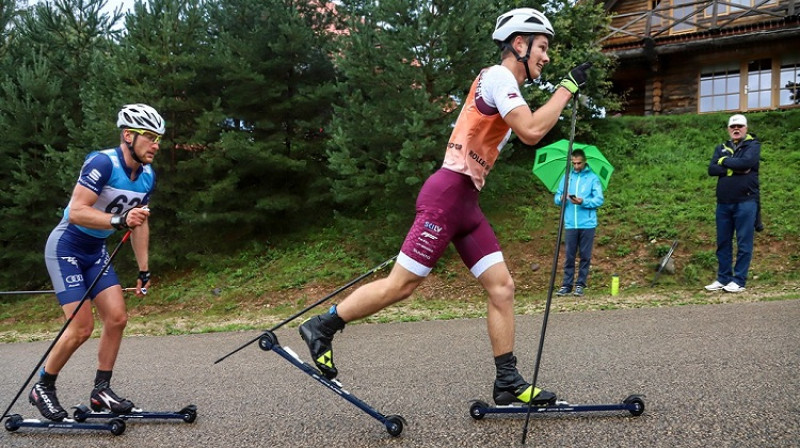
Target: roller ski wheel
115, 426
13, 422
187, 414
477, 409
267, 341
394, 425
636, 404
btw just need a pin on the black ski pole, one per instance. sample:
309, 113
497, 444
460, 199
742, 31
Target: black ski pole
46, 291
66, 324
313, 305
555, 264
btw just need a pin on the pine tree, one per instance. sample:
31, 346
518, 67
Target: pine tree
165, 60
265, 170
45, 63
406, 66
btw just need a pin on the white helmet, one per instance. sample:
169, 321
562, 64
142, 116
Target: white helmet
521, 20
140, 116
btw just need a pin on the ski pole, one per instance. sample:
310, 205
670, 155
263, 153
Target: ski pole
66, 324
313, 305
51, 291
555, 264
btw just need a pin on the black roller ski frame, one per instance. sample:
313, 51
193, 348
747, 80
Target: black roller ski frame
187, 414
633, 404
393, 423
14, 422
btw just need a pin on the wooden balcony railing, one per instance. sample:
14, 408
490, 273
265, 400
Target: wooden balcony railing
670, 18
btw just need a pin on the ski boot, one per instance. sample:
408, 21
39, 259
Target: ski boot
511, 388
44, 398
504, 396
103, 399
317, 333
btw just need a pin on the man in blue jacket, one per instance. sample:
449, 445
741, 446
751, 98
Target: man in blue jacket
585, 196
735, 165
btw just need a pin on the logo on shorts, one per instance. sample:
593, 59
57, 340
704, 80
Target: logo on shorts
432, 226
71, 260
429, 235
77, 278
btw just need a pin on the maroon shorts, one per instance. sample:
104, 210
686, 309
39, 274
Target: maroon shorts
448, 210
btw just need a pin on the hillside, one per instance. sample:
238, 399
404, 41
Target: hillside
659, 192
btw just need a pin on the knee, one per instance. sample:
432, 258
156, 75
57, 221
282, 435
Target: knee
79, 334
116, 321
401, 291
502, 294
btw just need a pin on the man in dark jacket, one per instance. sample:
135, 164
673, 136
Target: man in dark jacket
735, 164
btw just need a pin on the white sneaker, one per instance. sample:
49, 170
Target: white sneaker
716, 286
733, 287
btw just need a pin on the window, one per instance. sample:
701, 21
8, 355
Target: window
744, 3
736, 6
719, 88
682, 9
769, 83
655, 20
789, 86
759, 84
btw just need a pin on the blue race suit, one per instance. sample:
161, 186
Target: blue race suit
74, 254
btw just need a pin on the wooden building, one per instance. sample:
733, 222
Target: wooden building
698, 56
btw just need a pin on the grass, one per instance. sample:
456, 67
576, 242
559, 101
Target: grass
659, 192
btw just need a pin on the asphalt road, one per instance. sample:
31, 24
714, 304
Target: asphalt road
723, 375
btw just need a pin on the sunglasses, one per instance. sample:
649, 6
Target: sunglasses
152, 136
736, 126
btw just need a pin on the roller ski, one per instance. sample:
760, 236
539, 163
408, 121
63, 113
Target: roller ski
188, 414
14, 422
479, 409
325, 372
104, 403
43, 396
393, 423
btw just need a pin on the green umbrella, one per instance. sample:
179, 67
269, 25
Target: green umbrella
551, 161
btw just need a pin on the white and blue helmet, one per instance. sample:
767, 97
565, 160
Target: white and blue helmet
140, 116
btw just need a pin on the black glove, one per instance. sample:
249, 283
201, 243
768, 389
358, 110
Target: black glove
576, 78
144, 276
